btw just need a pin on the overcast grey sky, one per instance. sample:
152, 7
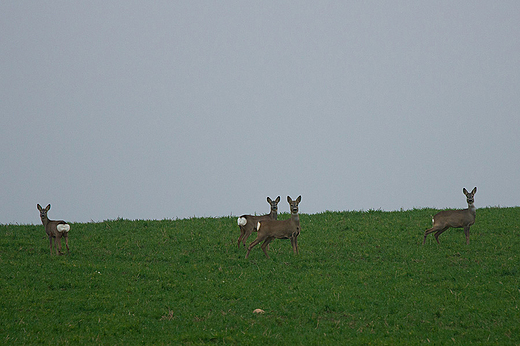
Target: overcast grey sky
166, 109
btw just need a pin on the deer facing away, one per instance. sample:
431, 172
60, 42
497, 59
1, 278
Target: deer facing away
247, 223
454, 218
279, 229
54, 229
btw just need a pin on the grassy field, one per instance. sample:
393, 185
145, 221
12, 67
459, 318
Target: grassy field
360, 278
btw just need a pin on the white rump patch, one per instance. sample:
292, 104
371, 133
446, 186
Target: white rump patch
242, 221
258, 226
63, 228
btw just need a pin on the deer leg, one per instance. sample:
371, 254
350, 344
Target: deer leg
266, 244
438, 233
253, 244
248, 231
57, 241
428, 231
55, 245
67, 242
294, 242
255, 230
241, 236
466, 232
50, 243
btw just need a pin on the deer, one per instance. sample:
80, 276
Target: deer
279, 229
247, 223
454, 218
55, 229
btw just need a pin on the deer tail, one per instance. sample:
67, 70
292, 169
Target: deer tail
242, 221
64, 227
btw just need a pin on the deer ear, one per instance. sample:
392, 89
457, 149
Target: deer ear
474, 190
48, 207
289, 200
269, 200
464, 191
298, 200
277, 199
39, 207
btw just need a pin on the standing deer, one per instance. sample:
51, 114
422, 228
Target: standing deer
279, 229
54, 229
247, 223
454, 218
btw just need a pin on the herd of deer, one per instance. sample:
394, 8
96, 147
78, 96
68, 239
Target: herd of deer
268, 227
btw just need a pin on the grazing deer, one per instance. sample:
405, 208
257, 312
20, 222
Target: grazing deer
247, 223
454, 218
55, 229
279, 229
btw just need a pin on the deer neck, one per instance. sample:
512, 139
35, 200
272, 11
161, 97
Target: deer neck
472, 209
273, 214
45, 221
295, 217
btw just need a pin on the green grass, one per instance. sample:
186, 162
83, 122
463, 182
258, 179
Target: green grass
360, 278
